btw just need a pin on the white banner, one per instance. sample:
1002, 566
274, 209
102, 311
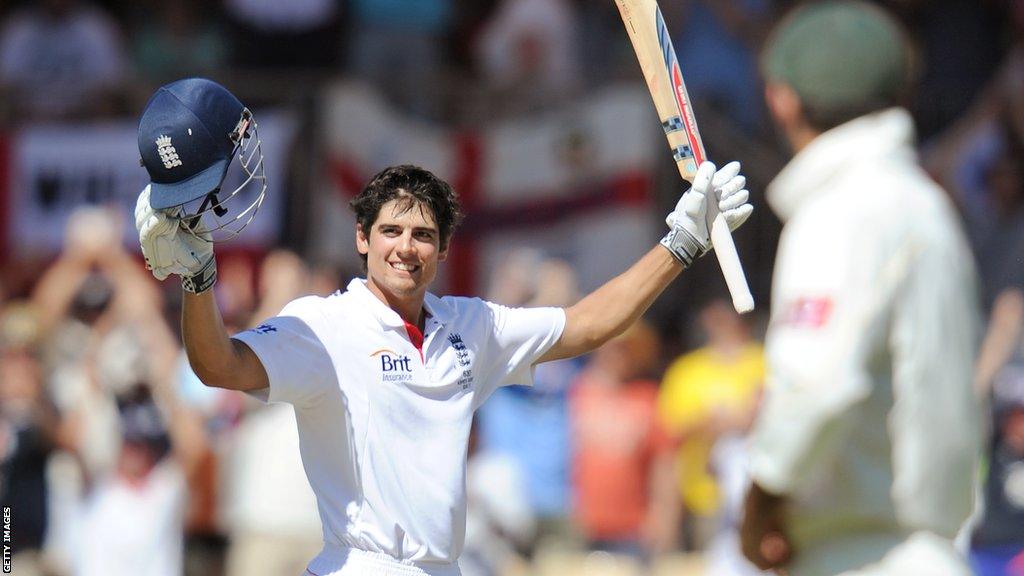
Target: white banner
55, 169
575, 181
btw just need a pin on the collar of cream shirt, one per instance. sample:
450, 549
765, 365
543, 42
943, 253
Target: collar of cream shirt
436, 308
867, 140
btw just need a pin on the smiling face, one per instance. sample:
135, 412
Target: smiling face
402, 251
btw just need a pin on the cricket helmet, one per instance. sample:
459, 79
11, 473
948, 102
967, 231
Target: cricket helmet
840, 54
189, 134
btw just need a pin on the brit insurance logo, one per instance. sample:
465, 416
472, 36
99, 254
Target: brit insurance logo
463, 358
393, 367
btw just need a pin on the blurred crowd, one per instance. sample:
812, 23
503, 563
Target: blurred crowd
76, 59
117, 460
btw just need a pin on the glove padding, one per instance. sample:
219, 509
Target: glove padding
689, 237
169, 249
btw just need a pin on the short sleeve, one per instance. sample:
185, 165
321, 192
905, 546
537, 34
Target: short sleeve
297, 363
521, 336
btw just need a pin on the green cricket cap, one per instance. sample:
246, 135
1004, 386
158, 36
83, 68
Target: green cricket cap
839, 54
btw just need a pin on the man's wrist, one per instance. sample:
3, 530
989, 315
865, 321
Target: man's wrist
203, 279
683, 245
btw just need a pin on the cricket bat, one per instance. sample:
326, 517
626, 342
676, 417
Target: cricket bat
653, 47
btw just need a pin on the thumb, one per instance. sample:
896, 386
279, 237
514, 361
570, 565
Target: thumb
702, 179
693, 203
775, 549
670, 220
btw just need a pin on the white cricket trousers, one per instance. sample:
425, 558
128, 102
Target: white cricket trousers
337, 561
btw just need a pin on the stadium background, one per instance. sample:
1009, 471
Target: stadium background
535, 111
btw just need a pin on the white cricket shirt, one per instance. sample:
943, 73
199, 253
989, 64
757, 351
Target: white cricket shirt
383, 430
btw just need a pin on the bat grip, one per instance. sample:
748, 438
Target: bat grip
729, 262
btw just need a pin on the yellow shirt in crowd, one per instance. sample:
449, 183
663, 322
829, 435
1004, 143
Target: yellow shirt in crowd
695, 387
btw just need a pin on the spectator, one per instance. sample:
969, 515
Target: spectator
530, 44
716, 44
960, 44
706, 395
623, 477
134, 517
30, 430
93, 303
998, 539
271, 513
980, 161
283, 277
999, 241
499, 518
602, 47
60, 58
236, 290
400, 47
177, 39
298, 34
531, 424
327, 278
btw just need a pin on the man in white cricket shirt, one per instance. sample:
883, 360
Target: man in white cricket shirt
864, 455
384, 376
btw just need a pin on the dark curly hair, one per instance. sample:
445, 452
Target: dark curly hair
417, 187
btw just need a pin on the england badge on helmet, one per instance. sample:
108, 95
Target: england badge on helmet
190, 134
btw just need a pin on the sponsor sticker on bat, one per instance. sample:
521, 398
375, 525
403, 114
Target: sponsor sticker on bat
675, 76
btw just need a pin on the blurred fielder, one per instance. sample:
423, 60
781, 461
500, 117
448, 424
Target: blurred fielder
384, 376
865, 452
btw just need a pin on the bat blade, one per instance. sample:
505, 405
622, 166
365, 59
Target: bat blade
692, 154
653, 46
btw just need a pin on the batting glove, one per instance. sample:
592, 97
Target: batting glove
689, 234
170, 249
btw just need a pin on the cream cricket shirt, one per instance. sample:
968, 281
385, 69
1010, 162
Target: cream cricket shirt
383, 430
870, 425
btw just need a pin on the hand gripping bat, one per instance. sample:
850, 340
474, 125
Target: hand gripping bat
653, 47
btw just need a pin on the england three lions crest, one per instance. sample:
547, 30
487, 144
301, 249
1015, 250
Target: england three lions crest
168, 155
463, 357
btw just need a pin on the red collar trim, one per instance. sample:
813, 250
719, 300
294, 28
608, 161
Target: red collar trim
416, 337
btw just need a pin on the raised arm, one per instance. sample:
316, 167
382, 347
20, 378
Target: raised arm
89, 236
216, 359
1001, 337
609, 310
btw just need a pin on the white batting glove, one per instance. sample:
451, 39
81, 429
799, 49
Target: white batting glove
169, 249
689, 237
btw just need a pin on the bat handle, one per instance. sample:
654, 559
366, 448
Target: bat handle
729, 262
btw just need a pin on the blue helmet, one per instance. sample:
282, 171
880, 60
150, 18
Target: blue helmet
189, 134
